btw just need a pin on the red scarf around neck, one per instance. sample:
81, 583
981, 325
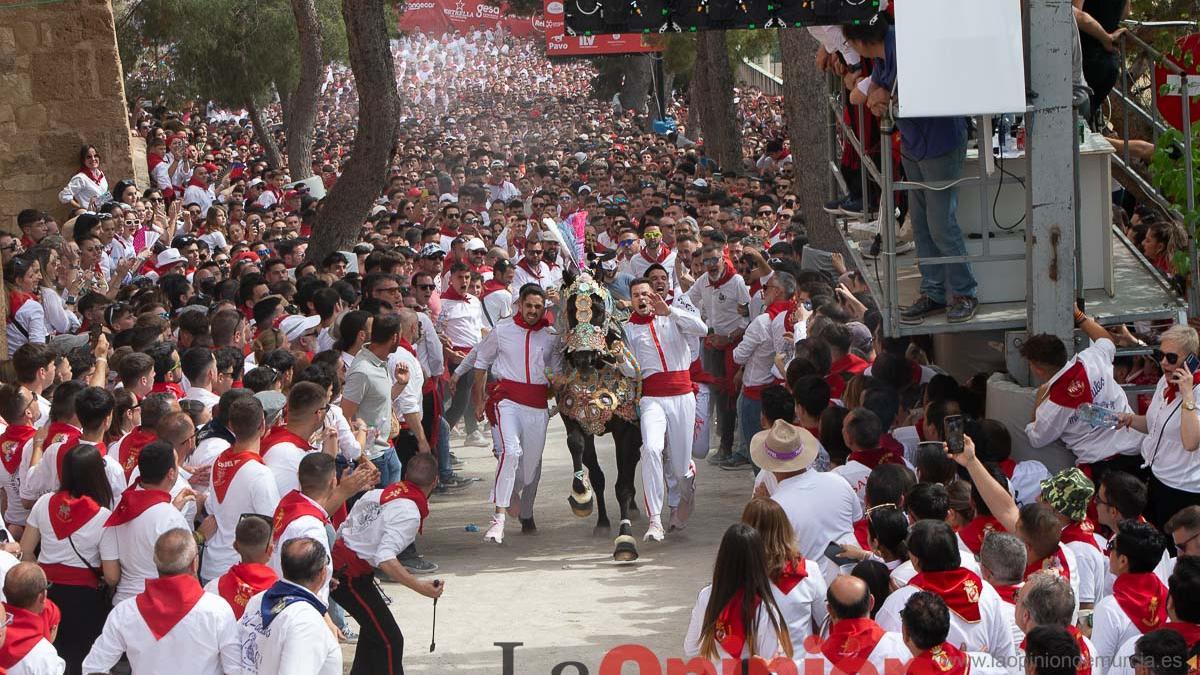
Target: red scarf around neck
730, 630
279, 435
1189, 631
491, 286
850, 642
225, 468
408, 346
1056, 562
960, 588
974, 532
524, 264
1143, 598
167, 600
795, 572
728, 273
242, 582
541, 323
659, 257
944, 659
24, 632
134, 502
294, 505
1082, 531
1085, 654
642, 319
94, 175
12, 444
452, 293
68, 514
1171, 390
409, 491
131, 446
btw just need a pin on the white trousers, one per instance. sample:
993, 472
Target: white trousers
520, 434
666, 420
701, 441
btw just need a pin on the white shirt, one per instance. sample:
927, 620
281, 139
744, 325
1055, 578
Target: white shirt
762, 341
822, 509
32, 317
377, 533
890, 650
662, 350
132, 544
43, 659
204, 396
298, 642
252, 490
83, 190
1163, 449
1111, 628
59, 551
1010, 616
203, 643
1090, 567
507, 354
305, 526
497, 306
720, 307
522, 276
208, 450
194, 194
502, 192
284, 461
44, 478
1088, 443
804, 608
461, 321
410, 400
429, 347
991, 634
639, 263
766, 644
856, 474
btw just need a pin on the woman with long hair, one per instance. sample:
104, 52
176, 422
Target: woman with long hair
88, 187
63, 535
26, 318
887, 537
736, 616
126, 414
55, 273
213, 230
797, 583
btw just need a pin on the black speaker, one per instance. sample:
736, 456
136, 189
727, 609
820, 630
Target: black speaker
593, 17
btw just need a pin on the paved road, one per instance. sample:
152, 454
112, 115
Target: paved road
558, 592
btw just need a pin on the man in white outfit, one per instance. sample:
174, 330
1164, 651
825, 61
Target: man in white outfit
658, 335
518, 354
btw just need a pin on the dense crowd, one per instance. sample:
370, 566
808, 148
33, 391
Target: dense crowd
213, 443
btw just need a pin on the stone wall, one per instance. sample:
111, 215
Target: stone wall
60, 87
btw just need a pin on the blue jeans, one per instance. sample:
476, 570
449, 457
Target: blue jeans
935, 227
748, 413
445, 471
389, 467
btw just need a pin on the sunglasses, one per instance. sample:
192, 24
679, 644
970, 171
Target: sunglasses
1159, 355
426, 287
453, 215
766, 212
651, 237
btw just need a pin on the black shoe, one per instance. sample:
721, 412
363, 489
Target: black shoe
419, 565
962, 309
737, 463
528, 526
834, 206
923, 307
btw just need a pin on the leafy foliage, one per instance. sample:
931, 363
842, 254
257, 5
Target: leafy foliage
1171, 178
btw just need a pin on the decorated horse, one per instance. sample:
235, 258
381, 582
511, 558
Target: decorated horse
595, 398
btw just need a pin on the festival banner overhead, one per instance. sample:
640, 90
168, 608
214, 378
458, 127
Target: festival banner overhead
558, 43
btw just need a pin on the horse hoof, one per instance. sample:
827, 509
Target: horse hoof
626, 549
581, 508
602, 530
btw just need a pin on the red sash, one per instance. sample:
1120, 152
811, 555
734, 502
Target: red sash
841, 371
131, 448
281, 435
226, 467
409, 491
960, 589
67, 447
791, 576
974, 532
242, 582
670, 383
531, 395
1082, 531
67, 514
167, 600
850, 642
134, 503
295, 505
1143, 598
944, 659
730, 631
347, 563
24, 632
1056, 562
1072, 389
754, 391
12, 441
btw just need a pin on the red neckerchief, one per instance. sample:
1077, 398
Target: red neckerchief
541, 323
12, 441
448, 232
850, 642
787, 307
68, 514
850, 363
974, 532
524, 264
25, 631
1143, 598
755, 287
872, 458
452, 293
960, 588
167, 600
791, 576
1189, 631
67, 447
168, 388
408, 346
1085, 662
1056, 562
730, 630
944, 659
1171, 389
242, 582
279, 435
134, 503
642, 319
1008, 467
409, 491
663, 252
861, 532
61, 432
295, 505
1008, 593
131, 446
1082, 531
226, 467
1073, 388
93, 175
15, 300
491, 286
728, 273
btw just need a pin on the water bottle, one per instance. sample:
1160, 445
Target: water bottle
1005, 133
1097, 416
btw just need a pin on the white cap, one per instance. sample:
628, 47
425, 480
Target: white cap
170, 256
447, 198
296, 325
256, 181
581, 157
700, 183
476, 244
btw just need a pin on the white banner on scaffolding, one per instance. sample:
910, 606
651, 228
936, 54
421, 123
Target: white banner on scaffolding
959, 57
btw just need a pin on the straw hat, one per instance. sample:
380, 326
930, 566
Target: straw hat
784, 447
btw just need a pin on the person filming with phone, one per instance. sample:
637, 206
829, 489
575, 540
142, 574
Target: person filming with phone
1172, 426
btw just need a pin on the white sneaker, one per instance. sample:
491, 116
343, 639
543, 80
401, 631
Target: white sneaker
903, 247
495, 533
654, 532
476, 438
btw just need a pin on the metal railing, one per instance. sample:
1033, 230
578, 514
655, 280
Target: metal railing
751, 74
1130, 45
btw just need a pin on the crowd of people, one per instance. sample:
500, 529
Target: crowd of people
212, 443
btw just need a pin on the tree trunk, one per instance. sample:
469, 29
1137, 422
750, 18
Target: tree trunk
635, 87
722, 135
301, 113
696, 92
346, 206
263, 134
804, 95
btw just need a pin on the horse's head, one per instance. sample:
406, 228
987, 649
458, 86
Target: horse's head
585, 308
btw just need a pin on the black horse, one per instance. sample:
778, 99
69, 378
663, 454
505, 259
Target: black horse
595, 398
